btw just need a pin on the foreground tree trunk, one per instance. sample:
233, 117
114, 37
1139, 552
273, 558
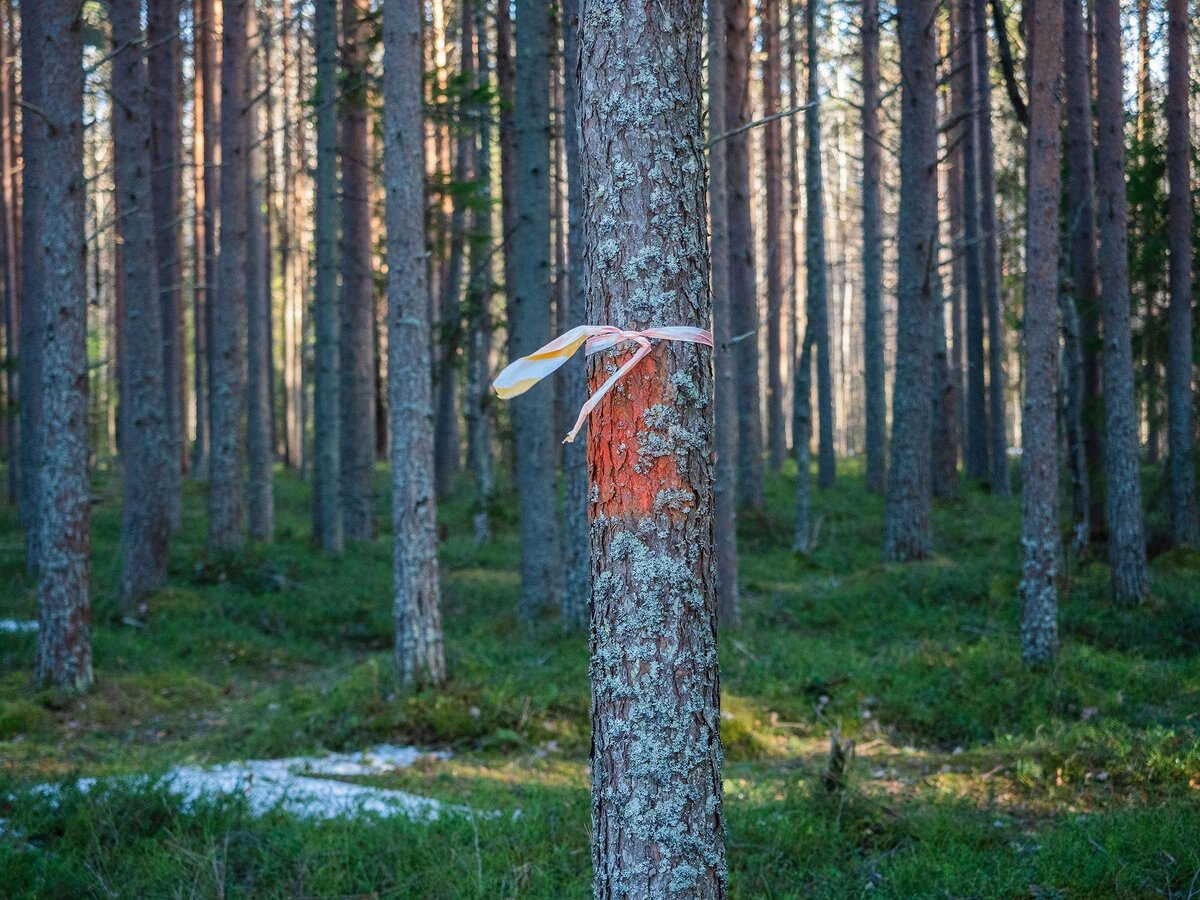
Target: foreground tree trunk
417, 607
906, 528
529, 304
743, 292
327, 507
53, 50
1123, 490
872, 254
356, 335
145, 464
657, 823
1039, 426
227, 375
1181, 470
724, 354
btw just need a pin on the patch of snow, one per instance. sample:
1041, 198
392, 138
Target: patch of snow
15, 626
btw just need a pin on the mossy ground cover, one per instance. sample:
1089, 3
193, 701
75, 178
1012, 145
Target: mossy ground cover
973, 777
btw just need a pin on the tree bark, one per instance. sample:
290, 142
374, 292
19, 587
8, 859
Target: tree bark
1071, 412
8, 254
1081, 231
327, 507
906, 529
872, 254
775, 236
1181, 469
990, 261
356, 335
206, 226
657, 822
724, 353
943, 455
1040, 540
743, 291
417, 607
52, 53
227, 373
802, 531
814, 255
1126, 542
529, 299
146, 449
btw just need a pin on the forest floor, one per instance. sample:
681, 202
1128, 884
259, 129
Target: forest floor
973, 777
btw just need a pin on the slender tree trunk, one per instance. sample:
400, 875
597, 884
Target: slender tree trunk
1071, 412
146, 449
8, 254
943, 456
293, 320
743, 291
419, 658
990, 260
52, 53
814, 256
873, 325
657, 822
165, 77
327, 509
772, 148
1081, 232
576, 552
227, 374
1181, 469
260, 457
1040, 540
205, 150
907, 532
530, 316
1126, 543
802, 532
356, 397
505, 82
724, 353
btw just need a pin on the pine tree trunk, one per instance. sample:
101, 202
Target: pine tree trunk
327, 508
1081, 224
743, 291
657, 822
872, 254
530, 314
52, 53
419, 658
775, 236
724, 354
990, 260
1040, 540
802, 531
1071, 413
1181, 470
907, 532
8, 255
1126, 543
356, 358
146, 449
206, 221
260, 457
228, 333
943, 455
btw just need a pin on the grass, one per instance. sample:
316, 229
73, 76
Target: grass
973, 777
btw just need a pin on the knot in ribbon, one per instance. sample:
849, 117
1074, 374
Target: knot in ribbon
522, 374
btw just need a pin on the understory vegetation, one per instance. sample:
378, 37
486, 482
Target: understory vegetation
972, 776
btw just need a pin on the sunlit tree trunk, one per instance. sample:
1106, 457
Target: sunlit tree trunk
657, 821
1040, 542
205, 157
775, 237
417, 606
1126, 542
872, 253
52, 53
146, 449
906, 528
10, 278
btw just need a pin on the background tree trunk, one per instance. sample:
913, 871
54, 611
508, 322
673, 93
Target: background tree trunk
1126, 544
530, 314
206, 222
657, 822
775, 235
417, 608
1040, 541
356, 334
872, 254
327, 507
1181, 469
52, 53
906, 529
146, 448
802, 532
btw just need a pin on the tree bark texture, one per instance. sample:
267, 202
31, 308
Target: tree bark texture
657, 822
873, 323
206, 225
775, 233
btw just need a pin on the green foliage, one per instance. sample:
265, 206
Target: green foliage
973, 777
